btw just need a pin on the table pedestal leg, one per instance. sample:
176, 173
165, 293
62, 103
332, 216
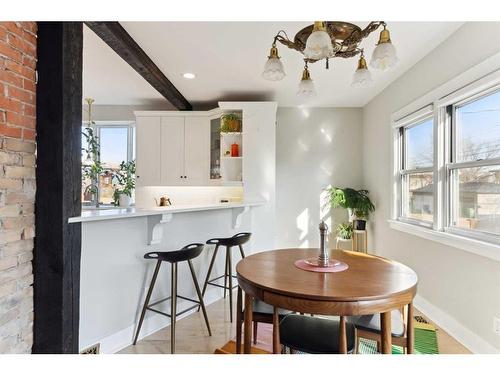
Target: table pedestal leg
410, 333
343, 336
247, 332
385, 323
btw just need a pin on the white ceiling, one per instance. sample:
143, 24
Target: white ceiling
108, 79
228, 57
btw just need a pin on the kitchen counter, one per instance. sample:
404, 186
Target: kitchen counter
122, 213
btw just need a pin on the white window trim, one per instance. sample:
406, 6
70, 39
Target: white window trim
479, 78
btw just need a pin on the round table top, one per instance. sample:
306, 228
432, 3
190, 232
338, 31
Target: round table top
368, 277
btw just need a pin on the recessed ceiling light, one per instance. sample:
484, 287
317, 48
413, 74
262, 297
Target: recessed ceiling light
189, 75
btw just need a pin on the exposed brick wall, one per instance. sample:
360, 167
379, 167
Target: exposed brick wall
17, 184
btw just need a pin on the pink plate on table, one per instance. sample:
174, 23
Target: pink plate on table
311, 264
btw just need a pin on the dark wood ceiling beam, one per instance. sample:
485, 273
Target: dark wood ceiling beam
127, 48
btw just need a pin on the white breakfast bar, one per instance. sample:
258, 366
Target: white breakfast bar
115, 276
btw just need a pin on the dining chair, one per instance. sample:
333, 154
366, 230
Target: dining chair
314, 335
261, 313
368, 327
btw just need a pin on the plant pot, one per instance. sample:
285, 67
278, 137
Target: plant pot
359, 224
234, 125
125, 200
343, 243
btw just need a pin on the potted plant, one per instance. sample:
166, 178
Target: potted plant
344, 231
92, 168
343, 198
357, 203
124, 184
231, 122
362, 209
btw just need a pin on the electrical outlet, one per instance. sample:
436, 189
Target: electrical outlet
496, 325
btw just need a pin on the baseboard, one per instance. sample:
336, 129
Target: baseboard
454, 328
121, 339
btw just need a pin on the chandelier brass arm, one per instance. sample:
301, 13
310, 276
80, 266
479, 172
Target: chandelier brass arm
325, 40
346, 35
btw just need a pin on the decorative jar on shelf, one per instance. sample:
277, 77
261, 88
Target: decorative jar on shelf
235, 151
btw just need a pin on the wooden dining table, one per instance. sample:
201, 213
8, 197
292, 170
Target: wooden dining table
370, 285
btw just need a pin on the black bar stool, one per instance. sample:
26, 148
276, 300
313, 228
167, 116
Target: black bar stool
236, 240
174, 257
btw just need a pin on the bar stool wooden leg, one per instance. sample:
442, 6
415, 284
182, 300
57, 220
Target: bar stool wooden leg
410, 333
276, 332
247, 332
200, 298
239, 320
241, 252
386, 332
230, 277
173, 307
205, 284
146, 302
226, 272
343, 336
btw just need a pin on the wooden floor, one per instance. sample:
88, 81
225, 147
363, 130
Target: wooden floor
192, 336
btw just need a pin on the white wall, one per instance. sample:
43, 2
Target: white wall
463, 289
315, 147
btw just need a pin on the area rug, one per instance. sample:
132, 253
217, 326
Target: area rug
425, 341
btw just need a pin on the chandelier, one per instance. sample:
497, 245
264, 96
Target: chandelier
325, 40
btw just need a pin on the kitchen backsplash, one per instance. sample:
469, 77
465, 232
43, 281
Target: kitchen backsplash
181, 195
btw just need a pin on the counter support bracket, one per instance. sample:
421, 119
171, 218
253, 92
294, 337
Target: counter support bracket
155, 227
237, 215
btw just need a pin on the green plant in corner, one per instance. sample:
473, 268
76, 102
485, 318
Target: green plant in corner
342, 197
364, 205
344, 231
357, 202
230, 122
124, 181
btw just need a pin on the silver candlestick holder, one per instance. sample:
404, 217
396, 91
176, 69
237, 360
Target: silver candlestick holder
324, 256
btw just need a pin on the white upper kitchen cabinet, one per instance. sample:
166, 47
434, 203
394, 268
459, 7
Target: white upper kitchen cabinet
196, 150
148, 146
172, 151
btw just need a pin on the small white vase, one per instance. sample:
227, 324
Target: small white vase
125, 200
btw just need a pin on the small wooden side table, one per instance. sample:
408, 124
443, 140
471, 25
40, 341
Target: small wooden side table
356, 241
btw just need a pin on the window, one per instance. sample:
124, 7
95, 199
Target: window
474, 165
416, 173
447, 164
116, 144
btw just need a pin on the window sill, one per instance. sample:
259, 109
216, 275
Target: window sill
470, 245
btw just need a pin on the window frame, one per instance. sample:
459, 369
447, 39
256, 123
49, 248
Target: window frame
478, 81
97, 126
409, 121
452, 165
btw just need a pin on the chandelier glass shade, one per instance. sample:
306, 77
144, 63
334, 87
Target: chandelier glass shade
362, 76
306, 86
318, 44
325, 40
273, 69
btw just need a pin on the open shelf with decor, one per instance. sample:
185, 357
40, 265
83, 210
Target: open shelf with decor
231, 148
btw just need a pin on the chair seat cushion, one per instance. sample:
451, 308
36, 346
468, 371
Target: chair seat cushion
372, 323
261, 307
314, 335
